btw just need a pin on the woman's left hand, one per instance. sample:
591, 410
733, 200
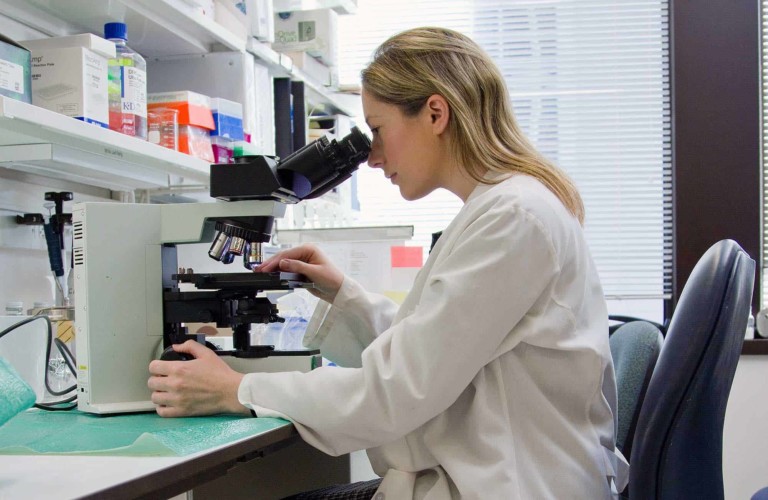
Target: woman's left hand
202, 386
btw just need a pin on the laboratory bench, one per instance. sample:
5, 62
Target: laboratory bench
269, 464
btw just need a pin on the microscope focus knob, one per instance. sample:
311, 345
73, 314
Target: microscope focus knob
170, 355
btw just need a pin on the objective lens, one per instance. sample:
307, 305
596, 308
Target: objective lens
219, 246
252, 256
237, 246
228, 258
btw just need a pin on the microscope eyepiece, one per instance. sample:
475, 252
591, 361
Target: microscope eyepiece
323, 164
307, 173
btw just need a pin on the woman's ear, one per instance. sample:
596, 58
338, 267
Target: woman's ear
439, 113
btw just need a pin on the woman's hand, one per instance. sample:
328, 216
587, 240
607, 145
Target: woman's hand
202, 386
312, 263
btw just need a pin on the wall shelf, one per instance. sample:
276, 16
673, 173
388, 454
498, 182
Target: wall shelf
156, 28
160, 29
39, 141
281, 65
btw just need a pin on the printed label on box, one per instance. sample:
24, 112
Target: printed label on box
73, 82
12, 77
133, 91
306, 31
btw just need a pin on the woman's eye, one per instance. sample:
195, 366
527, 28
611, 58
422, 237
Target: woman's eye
375, 130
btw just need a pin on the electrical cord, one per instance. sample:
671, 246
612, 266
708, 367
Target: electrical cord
68, 359
54, 405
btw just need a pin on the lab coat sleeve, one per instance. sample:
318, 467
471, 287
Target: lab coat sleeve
501, 265
343, 330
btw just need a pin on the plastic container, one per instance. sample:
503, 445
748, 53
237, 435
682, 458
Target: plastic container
196, 141
127, 85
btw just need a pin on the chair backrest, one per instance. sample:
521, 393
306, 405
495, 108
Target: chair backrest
619, 320
677, 449
635, 348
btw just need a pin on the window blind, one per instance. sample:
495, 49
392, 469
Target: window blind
589, 81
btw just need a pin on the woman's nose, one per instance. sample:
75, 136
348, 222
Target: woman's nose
375, 159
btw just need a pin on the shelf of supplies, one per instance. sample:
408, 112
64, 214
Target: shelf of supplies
340, 6
36, 140
282, 65
159, 29
156, 28
363, 233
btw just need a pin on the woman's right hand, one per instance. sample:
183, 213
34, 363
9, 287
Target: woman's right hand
312, 263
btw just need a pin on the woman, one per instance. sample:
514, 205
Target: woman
494, 378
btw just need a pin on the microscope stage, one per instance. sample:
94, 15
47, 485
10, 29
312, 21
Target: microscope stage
245, 281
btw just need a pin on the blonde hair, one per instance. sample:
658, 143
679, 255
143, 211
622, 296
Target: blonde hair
411, 66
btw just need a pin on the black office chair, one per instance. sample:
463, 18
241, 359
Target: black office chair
635, 347
678, 444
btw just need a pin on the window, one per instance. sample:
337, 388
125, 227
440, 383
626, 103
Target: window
589, 81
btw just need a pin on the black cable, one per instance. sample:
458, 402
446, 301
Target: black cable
49, 340
54, 406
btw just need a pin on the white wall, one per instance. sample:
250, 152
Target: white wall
745, 437
24, 265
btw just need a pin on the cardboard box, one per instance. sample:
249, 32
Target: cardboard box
261, 19
311, 31
15, 70
69, 76
194, 109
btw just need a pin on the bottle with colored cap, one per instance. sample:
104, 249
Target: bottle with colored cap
127, 85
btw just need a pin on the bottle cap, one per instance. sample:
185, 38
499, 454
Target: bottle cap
116, 30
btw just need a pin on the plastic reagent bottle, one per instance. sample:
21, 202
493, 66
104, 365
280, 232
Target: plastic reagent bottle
127, 85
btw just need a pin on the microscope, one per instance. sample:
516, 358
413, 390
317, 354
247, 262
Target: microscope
129, 305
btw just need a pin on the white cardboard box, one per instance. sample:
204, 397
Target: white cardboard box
69, 76
261, 18
311, 31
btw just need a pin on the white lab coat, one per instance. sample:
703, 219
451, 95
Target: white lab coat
494, 378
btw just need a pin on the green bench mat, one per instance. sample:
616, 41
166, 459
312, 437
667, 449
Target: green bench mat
34, 432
